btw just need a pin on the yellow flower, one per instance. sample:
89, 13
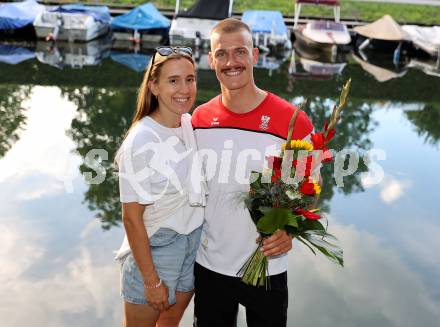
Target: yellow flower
298, 145
317, 188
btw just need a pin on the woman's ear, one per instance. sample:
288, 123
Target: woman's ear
153, 88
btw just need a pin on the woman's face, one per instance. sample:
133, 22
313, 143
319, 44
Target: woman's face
176, 87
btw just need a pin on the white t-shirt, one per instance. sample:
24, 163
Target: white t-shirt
154, 169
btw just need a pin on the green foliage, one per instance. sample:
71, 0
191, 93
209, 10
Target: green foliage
102, 118
276, 219
427, 122
358, 10
12, 118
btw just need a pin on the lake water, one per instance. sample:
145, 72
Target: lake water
58, 231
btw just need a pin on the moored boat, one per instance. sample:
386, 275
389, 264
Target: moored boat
15, 15
16, 18
323, 36
268, 29
143, 24
425, 38
193, 26
73, 22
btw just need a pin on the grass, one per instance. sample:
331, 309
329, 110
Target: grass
365, 11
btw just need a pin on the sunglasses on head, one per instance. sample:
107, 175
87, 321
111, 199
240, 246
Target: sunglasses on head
166, 51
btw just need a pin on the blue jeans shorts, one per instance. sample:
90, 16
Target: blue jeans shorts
173, 256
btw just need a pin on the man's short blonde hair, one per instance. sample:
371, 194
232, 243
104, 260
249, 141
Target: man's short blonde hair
230, 25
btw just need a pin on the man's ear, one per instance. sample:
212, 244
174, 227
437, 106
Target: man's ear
255, 54
211, 60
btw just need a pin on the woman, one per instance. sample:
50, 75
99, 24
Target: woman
161, 209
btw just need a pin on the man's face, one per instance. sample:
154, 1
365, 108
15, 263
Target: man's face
233, 57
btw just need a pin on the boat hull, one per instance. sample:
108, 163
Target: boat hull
69, 27
189, 31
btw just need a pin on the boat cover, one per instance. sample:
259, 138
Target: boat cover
13, 55
144, 17
99, 13
427, 38
264, 21
208, 9
135, 61
15, 15
384, 28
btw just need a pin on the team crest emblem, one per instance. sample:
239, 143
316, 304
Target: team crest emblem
264, 122
215, 121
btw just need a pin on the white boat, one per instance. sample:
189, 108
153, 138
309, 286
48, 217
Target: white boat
268, 29
325, 32
425, 38
323, 36
73, 23
193, 26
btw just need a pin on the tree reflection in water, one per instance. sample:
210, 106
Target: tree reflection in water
102, 119
427, 122
12, 118
352, 132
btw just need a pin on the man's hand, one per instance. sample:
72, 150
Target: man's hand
278, 243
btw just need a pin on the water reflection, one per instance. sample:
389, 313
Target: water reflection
102, 118
63, 273
73, 55
427, 122
353, 132
13, 55
12, 117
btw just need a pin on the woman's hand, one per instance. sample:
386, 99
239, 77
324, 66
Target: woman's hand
157, 297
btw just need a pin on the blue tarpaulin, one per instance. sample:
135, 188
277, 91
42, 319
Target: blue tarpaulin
144, 17
264, 21
99, 13
12, 55
15, 15
135, 61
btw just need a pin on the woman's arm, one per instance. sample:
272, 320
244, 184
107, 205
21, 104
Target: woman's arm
132, 218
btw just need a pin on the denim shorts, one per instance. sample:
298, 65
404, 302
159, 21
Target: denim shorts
173, 256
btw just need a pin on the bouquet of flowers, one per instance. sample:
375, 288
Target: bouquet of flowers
276, 201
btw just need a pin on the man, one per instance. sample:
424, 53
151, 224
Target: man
239, 128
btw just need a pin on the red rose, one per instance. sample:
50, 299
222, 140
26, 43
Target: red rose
307, 188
